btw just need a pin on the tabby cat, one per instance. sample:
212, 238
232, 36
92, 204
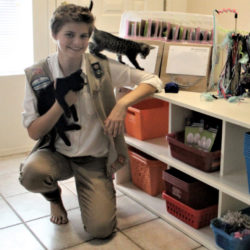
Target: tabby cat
102, 40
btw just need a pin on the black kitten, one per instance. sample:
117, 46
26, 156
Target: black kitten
102, 40
73, 82
60, 128
48, 97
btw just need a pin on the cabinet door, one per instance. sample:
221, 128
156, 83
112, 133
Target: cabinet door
108, 12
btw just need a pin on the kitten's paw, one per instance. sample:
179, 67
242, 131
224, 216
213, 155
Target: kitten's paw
101, 56
140, 68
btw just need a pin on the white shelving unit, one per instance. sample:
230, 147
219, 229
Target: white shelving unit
230, 180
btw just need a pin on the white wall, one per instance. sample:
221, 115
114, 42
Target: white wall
224, 20
13, 137
207, 6
176, 5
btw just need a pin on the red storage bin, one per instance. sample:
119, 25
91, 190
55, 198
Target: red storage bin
206, 161
147, 119
196, 218
146, 172
189, 190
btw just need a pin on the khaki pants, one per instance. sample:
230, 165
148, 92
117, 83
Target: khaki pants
96, 194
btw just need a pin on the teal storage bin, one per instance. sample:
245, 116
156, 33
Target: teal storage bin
227, 241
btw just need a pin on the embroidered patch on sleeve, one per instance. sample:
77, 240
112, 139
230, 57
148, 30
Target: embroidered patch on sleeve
41, 83
37, 71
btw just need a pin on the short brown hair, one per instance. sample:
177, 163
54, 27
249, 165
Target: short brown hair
67, 13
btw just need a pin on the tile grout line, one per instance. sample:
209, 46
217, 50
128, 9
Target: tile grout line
130, 239
118, 230
140, 223
67, 188
159, 217
38, 218
14, 195
198, 247
122, 231
23, 223
65, 248
139, 203
13, 225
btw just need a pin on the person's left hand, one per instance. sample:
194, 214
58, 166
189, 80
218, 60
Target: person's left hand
114, 124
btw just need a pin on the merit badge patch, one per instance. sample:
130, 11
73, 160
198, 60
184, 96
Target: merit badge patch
97, 69
41, 83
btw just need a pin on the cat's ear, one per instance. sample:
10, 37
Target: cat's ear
151, 47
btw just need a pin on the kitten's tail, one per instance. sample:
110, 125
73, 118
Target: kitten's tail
91, 5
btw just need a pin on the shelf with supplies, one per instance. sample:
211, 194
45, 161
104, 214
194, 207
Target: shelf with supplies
167, 26
165, 31
232, 184
230, 180
182, 45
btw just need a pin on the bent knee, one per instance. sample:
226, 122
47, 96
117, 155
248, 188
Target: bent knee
33, 178
101, 230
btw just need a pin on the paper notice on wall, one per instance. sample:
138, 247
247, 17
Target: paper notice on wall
188, 60
147, 63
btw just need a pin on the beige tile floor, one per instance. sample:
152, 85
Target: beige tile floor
25, 225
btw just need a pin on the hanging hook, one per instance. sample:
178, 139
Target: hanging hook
235, 16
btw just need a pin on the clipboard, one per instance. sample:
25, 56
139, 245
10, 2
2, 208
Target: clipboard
194, 78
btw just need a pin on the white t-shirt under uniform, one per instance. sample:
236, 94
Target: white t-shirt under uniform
90, 139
